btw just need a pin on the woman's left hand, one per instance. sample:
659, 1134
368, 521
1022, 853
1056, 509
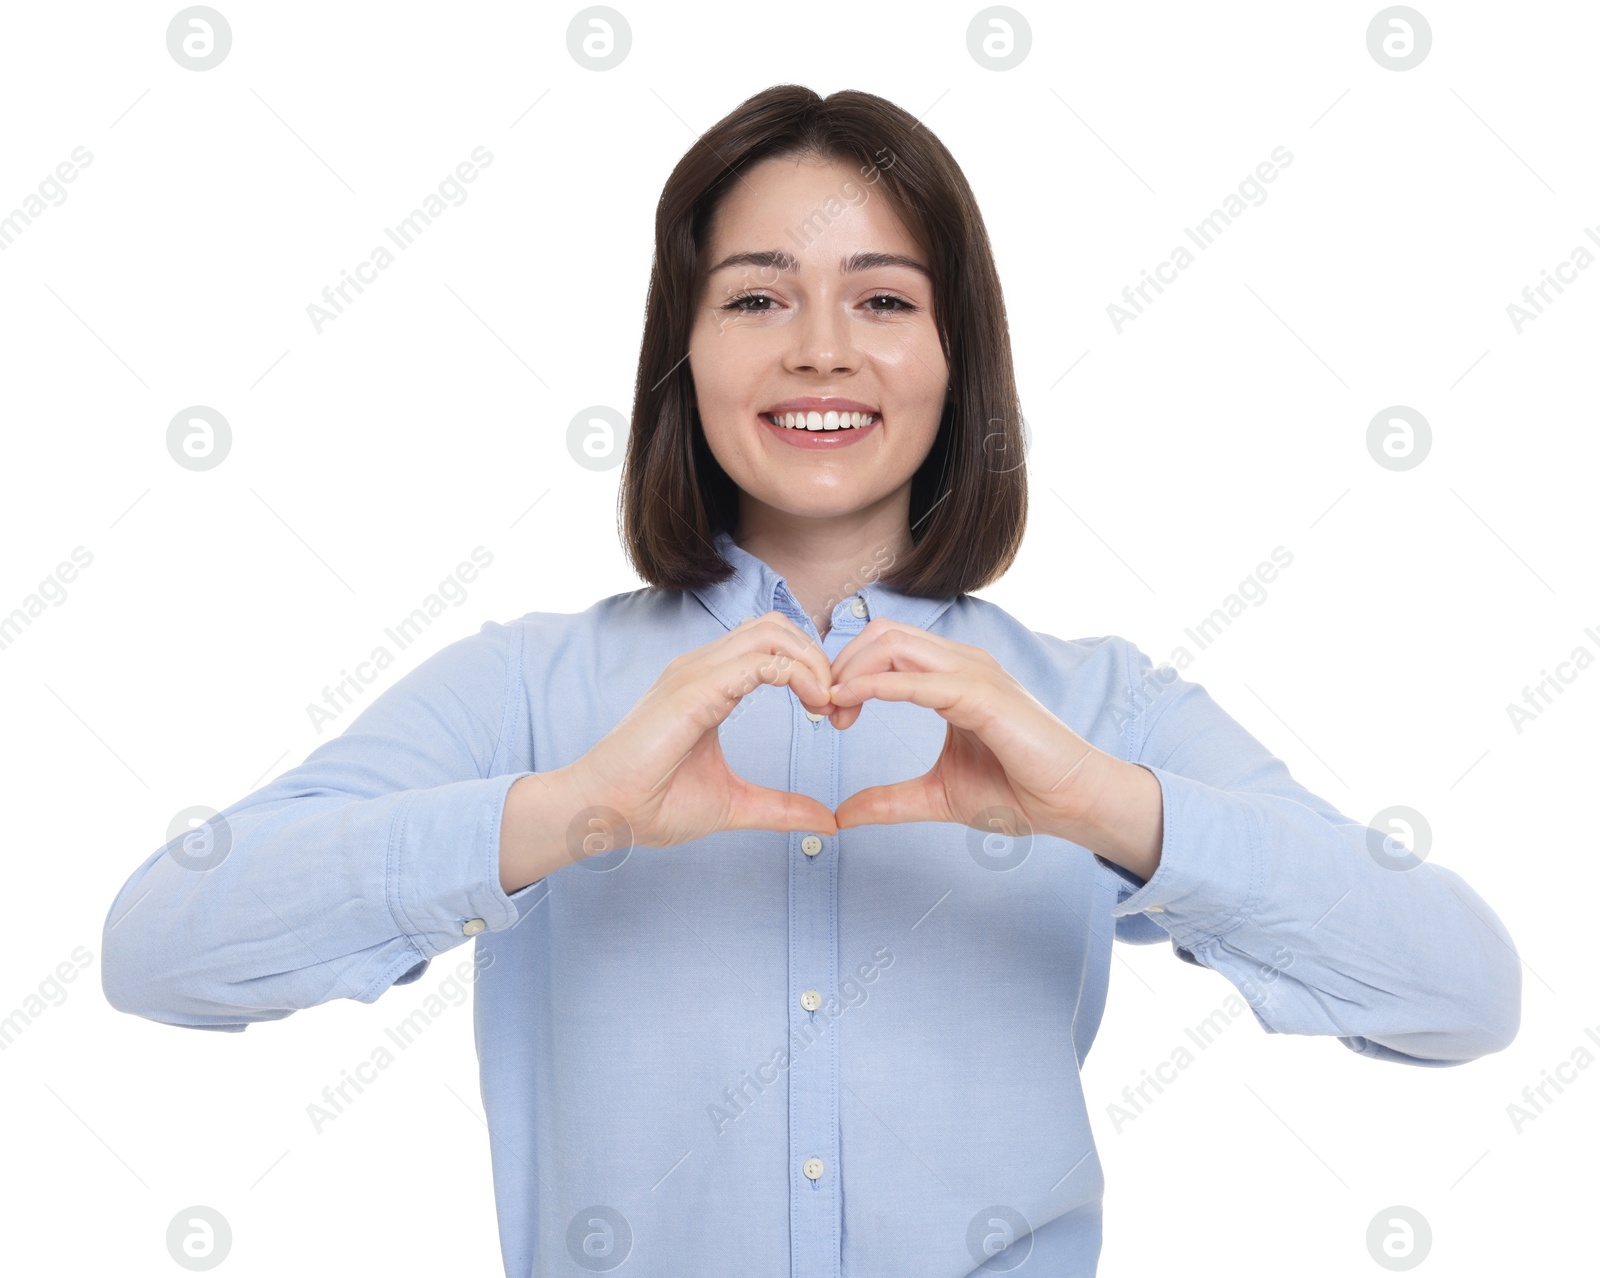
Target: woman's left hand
1003, 750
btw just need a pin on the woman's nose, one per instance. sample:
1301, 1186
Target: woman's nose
822, 338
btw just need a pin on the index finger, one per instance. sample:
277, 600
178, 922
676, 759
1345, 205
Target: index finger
788, 643
875, 651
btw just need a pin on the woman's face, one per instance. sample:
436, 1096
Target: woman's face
796, 308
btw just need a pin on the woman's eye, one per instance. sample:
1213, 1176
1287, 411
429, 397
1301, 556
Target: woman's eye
744, 303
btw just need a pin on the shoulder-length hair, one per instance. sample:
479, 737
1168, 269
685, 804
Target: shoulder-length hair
969, 496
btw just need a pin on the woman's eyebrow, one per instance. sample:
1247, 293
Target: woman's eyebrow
783, 260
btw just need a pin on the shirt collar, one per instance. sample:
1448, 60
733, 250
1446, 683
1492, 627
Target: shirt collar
755, 589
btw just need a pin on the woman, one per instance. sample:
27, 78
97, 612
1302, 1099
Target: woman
804, 772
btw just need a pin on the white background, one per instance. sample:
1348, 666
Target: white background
431, 417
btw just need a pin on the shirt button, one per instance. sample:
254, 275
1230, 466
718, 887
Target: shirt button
749, 616
1156, 909
813, 1168
472, 927
811, 845
811, 1000
858, 606
813, 717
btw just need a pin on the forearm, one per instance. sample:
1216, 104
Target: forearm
1321, 938
1268, 883
312, 896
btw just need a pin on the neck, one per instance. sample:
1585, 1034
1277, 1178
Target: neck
825, 561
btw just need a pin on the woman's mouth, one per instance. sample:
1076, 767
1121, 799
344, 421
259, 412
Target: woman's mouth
820, 430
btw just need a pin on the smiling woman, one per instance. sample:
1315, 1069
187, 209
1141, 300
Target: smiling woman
815, 256
677, 823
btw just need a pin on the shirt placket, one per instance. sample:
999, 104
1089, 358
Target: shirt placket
816, 1202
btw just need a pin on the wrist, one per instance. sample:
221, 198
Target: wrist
1121, 814
536, 827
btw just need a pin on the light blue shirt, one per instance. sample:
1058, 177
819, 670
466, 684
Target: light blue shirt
769, 1053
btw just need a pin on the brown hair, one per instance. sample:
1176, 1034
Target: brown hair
969, 497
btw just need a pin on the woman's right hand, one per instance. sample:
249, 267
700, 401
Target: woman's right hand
661, 769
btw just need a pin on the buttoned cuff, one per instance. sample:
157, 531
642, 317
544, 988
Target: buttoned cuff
444, 864
1208, 881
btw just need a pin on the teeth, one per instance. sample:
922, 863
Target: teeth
821, 421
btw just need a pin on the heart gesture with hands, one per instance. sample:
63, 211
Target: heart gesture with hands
660, 776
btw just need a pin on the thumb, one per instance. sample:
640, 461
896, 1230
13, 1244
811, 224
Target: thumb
890, 804
758, 807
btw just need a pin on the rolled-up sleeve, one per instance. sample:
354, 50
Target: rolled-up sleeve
1270, 885
344, 875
